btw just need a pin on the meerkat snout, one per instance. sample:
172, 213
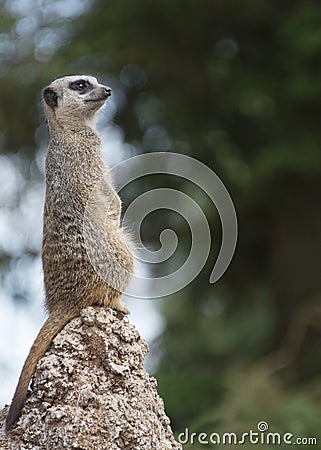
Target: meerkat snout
99, 94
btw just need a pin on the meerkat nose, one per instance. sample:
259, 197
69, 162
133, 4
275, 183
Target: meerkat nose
107, 91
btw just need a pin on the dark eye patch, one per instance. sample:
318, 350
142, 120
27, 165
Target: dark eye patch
82, 86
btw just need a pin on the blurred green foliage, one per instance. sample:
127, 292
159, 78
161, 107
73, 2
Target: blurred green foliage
236, 85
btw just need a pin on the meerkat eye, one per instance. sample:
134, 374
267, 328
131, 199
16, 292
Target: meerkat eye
80, 85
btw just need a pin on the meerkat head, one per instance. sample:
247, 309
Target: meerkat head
74, 100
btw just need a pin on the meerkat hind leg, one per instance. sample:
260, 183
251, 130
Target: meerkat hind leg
118, 304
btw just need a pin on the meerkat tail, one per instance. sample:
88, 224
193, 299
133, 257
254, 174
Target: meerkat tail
49, 330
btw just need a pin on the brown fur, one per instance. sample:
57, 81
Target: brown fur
74, 166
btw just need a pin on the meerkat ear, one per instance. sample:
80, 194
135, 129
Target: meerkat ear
50, 97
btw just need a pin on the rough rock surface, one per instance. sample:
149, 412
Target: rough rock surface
91, 392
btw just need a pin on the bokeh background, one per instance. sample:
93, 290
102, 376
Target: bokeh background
236, 85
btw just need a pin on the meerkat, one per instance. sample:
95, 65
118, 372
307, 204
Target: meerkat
75, 175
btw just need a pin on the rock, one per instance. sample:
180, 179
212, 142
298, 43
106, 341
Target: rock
91, 392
